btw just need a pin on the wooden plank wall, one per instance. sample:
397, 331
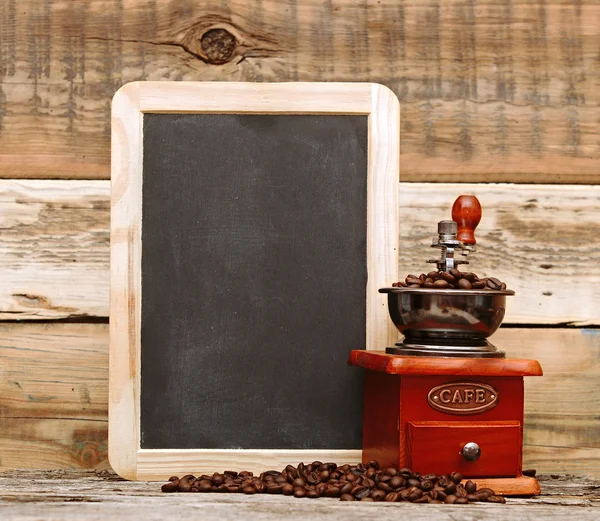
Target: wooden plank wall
494, 91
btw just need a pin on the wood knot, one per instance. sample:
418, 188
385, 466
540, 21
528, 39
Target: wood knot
218, 46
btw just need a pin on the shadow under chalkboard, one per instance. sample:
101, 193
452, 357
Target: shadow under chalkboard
254, 273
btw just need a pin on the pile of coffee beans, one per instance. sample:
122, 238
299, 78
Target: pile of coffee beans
453, 279
348, 482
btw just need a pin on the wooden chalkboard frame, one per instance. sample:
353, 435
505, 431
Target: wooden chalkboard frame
128, 107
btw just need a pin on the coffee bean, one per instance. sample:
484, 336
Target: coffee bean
450, 488
411, 279
423, 499
478, 285
485, 492
528, 472
426, 485
385, 487
299, 492
313, 478
436, 502
405, 493
325, 475
171, 486
414, 285
443, 481
249, 489
472, 498
433, 275
287, 489
440, 284
332, 492
492, 284
464, 284
461, 501
312, 494
245, 474
440, 494
346, 488
367, 499
378, 495
396, 482
448, 277
391, 471
497, 283
347, 497
218, 479
414, 494
392, 497
470, 487
360, 492
173, 478
274, 489
412, 482
455, 273
299, 482
184, 486
461, 491
457, 477
496, 499
450, 499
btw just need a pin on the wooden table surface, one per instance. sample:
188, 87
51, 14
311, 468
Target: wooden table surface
54, 495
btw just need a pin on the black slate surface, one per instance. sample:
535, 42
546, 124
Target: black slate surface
253, 280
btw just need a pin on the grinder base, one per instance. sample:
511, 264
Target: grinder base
475, 348
447, 414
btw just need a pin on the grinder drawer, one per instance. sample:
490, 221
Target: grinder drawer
435, 447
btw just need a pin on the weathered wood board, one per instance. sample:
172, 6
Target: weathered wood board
54, 249
54, 388
490, 91
540, 239
53, 395
65, 495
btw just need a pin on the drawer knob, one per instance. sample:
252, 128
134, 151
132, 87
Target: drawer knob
471, 451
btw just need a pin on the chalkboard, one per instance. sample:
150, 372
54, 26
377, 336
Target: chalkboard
249, 269
254, 264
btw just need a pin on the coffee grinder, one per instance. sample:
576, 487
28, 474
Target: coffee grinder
444, 399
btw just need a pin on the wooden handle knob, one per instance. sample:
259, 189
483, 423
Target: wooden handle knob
466, 211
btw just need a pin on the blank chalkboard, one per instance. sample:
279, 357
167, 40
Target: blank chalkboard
251, 282
254, 264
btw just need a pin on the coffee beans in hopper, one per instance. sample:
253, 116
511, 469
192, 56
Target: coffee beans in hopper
453, 279
347, 482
